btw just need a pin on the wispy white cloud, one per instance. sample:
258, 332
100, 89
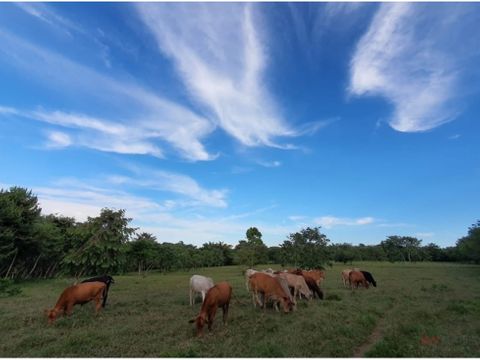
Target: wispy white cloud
296, 217
155, 118
83, 198
270, 164
221, 59
57, 139
95, 133
175, 183
46, 14
412, 55
329, 222
424, 234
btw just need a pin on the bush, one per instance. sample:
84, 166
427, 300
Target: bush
8, 288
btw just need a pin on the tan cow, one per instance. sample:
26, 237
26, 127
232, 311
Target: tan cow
345, 274
298, 283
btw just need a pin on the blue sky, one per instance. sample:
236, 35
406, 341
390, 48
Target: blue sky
202, 120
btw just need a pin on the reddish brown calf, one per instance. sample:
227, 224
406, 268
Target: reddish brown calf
356, 278
217, 296
77, 294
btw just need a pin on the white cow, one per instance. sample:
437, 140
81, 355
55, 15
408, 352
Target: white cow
199, 284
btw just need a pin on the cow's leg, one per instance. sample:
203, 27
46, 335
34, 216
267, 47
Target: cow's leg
275, 305
295, 292
203, 296
225, 312
211, 317
260, 302
98, 304
68, 309
192, 297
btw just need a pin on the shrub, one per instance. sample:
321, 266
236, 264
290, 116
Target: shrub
9, 288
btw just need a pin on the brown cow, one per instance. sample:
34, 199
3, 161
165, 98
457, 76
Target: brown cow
77, 294
313, 286
217, 296
271, 289
356, 278
317, 275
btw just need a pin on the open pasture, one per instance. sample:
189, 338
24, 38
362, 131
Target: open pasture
417, 310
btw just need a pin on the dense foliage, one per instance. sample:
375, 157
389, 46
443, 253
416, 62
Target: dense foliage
33, 245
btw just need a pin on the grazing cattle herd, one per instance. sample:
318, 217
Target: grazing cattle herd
279, 288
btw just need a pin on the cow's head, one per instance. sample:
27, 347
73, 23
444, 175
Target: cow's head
287, 304
200, 322
51, 315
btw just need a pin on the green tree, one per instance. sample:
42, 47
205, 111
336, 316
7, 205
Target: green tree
344, 253
142, 253
216, 254
105, 246
251, 251
401, 248
306, 248
275, 255
19, 247
468, 247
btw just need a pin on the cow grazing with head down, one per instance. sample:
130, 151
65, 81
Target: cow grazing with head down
217, 296
271, 290
286, 288
107, 279
356, 278
298, 284
312, 281
369, 278
77, 294
199, 284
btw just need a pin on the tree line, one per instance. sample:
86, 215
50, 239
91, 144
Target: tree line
33, 245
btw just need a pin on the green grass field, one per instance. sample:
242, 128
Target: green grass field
148, 317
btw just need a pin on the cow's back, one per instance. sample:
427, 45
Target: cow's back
87, 291
356, 276
199, 283
220, 294
267, 284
